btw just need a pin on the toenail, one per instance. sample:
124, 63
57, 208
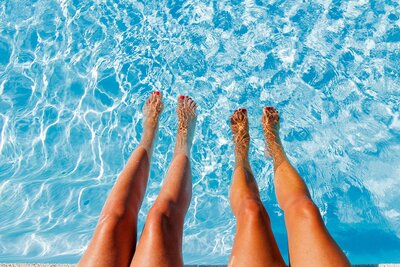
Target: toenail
157, 92
181, 97
244, 110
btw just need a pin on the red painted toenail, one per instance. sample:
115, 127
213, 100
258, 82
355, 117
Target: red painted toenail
186, 96
244, 110
181, 97
157, 92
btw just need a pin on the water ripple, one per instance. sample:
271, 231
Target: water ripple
75, 74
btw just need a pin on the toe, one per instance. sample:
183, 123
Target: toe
153, 97
242, 114
234, 117
157, 95
150, 98
181, 99
185, 101
237, 112
232, 120
159, 103
192, 104
189, 102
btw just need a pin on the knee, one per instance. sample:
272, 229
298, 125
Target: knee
161, 215
109, 225
252, 210
110, 219
303, 208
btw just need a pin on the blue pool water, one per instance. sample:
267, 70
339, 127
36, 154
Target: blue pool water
74, 75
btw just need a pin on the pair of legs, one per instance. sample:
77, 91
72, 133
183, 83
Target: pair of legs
310, 244
114, 240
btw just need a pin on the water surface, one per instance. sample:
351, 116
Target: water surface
74, 76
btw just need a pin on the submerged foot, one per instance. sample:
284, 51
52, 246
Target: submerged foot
270, 124
240, 130
152, 110
186, 124
151, 113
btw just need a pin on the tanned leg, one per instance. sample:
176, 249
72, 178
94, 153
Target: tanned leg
310, 243
114, 239
161, 241
254, 243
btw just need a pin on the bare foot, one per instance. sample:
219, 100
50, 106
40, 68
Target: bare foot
270, 124
186, 124
152, 110
151, 113
240, 130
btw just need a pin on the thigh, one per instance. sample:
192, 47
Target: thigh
310, 243
112, 244
254, 243
161, 241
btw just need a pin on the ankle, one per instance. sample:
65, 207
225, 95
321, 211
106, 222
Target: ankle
147, 145
182, 145
242, 160
278, 158
147, 140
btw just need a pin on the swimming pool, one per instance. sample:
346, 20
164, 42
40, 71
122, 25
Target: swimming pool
74, 75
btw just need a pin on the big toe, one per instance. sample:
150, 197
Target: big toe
181, 100
157, 95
